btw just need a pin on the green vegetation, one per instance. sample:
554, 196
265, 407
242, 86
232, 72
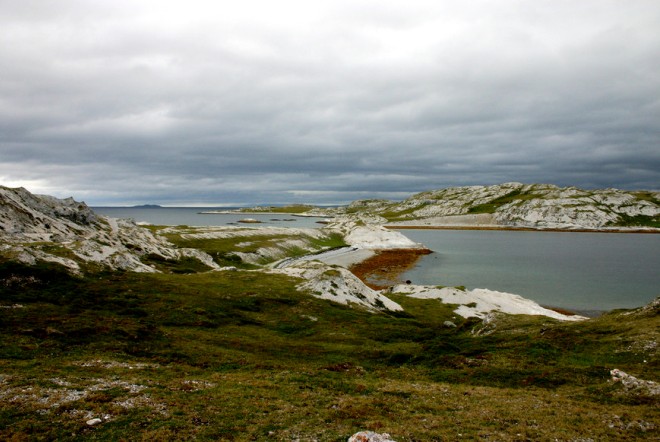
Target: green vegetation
223, 250
367, 205
647, 196
245, 356
401, 215
496, 203
183, 265
294, 208
329, 241
638, 221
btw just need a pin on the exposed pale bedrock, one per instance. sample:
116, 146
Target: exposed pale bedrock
44, 228
517, 205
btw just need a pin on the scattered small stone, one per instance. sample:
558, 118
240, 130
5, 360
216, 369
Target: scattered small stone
114, 364
94, 421
449, 324
635, 385
370, 436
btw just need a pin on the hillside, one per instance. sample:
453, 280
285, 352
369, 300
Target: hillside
246, 356
114, 331
518, 205
36, 228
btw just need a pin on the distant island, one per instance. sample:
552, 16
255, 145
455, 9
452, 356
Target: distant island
147, 206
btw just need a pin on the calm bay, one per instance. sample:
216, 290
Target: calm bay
579, 271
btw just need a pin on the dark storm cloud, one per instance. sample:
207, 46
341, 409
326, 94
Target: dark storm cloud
214, 102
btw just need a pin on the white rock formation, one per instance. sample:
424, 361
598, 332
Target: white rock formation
372, 237
284, 240
633, 385
370, 436
514, 205
480, 302
339, 285
43, 228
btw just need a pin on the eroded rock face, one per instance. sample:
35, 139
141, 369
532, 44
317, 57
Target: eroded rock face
516, 205
44, 228
40, 217
574, 208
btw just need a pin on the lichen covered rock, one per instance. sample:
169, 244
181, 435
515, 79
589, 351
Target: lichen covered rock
370, 436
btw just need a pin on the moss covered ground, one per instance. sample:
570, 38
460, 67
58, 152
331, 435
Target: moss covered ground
244, 355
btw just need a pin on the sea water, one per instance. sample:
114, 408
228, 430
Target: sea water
193, 216
579, 271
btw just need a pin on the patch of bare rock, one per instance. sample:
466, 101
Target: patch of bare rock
370, 436
37, 228
634, 386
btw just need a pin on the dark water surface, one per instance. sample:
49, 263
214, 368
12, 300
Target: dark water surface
580, 271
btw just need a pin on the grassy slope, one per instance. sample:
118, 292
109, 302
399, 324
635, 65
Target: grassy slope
244, 356
222, 249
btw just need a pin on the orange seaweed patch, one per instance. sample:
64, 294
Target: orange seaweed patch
384, 268
563, 311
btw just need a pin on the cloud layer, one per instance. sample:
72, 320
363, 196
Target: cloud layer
203, 102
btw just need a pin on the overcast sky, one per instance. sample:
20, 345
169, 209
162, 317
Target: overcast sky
244, 102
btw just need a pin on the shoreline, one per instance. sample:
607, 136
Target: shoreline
384, 268
521, 229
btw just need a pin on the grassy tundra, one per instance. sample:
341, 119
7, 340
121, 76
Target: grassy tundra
245, 355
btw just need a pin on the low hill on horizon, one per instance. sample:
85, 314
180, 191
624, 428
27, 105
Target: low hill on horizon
517, 205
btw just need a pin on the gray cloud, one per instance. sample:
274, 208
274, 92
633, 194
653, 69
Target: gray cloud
213, 102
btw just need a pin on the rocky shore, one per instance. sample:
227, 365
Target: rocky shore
516, 206
42, 228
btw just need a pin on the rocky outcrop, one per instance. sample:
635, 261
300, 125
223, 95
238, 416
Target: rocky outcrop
370, 436
270, 243
634, 386
337, 284
371, 236
575, 208
25, 216
479, 303
37, 228
517, 205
